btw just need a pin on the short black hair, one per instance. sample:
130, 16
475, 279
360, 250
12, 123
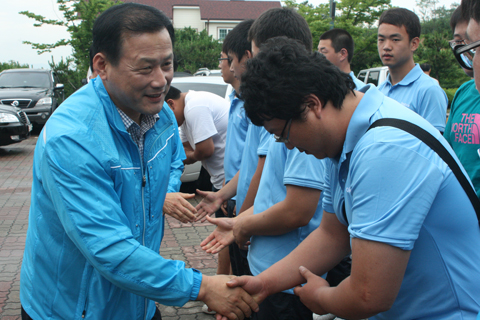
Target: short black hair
457, 18
425, 66
236, 40
111, 26
173, 93
278, 22
470, 10
278, 80
402, 17
340, 39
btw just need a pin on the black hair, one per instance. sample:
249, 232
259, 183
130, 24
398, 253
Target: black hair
456, 18
278, 80
470, 10
425, 66
278, 22
236, 40
173, 93
111, 26
341, 39
402, 17
90, 57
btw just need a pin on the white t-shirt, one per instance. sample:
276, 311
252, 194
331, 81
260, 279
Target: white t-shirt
206, 116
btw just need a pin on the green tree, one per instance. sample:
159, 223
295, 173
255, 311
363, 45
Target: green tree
79, 16
194, 50
12, 65
358, 17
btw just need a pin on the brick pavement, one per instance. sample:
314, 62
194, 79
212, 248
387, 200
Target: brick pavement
181, 241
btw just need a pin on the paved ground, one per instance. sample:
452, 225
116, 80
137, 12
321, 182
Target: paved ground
181, 241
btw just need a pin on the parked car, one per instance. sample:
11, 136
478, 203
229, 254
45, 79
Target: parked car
37, 92
373, 75
207, 72
194, 175
14, 125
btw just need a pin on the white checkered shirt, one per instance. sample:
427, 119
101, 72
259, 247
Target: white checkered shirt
137, 132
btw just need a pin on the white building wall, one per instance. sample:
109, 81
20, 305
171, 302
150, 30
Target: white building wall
184, 17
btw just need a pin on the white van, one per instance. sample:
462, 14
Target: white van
373, 75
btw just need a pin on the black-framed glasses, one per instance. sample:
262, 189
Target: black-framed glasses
465, 54
281, 138
454, 43
222, 59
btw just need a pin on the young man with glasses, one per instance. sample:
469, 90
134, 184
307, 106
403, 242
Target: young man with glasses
287, 205
463, 127
388, 198
398, 38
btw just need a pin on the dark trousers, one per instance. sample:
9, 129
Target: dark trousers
238, 257
282, 306
156, 316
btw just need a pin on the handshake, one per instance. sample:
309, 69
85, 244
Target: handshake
231, 297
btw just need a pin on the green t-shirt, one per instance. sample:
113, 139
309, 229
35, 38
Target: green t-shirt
463, 130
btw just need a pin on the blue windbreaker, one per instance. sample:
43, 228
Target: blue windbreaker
96, 219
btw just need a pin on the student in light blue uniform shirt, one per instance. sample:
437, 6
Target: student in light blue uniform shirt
337, 46
398, 38
410, 226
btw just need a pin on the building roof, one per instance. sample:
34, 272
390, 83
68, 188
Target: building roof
215, 10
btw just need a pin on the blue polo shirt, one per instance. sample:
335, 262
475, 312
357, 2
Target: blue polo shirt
236, 134
358, 84
284, 167
419, 93
256, 145
399, 192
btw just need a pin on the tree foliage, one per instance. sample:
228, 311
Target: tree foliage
12, 65
194, 50
358, 17
78, 18
434, 47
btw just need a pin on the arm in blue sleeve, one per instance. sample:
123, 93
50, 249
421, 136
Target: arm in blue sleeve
434, 105
176, 168
89, 208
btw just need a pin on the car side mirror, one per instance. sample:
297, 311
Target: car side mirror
59, 86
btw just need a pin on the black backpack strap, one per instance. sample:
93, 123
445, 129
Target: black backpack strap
439, 148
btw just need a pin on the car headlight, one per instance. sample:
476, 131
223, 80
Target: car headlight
8, 117
45, 101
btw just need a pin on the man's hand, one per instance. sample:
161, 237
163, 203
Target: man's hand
233, 303
177, 206
210, 203
221, 237
308, 293
253, 285
242, 238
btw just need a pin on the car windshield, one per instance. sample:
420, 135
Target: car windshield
218, 89
24, 80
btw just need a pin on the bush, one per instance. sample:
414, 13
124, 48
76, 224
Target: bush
450, 94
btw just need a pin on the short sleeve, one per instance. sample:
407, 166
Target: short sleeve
200, 124
265, 139
304, 170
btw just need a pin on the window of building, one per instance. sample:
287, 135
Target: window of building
222, 33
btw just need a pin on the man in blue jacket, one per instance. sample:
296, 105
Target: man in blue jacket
102, 167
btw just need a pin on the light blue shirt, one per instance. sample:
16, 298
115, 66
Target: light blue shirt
256, 145
236, 134
419, 93
399, 192
284, 167
358, 84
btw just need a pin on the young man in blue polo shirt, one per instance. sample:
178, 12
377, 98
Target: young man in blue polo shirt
388, 198
398, 38
337, 46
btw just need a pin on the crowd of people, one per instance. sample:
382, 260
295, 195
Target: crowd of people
331, 198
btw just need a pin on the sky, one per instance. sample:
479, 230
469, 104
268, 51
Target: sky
18, 28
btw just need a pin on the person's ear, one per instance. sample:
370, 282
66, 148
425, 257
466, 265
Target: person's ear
171, 104
414, 43
249, 54
314, 104
99, 65
343, 54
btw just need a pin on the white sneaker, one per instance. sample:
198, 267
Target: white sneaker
323, 317
205, 310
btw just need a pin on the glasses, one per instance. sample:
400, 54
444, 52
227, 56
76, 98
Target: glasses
280, 138
222, 59
454, 43
465, 54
